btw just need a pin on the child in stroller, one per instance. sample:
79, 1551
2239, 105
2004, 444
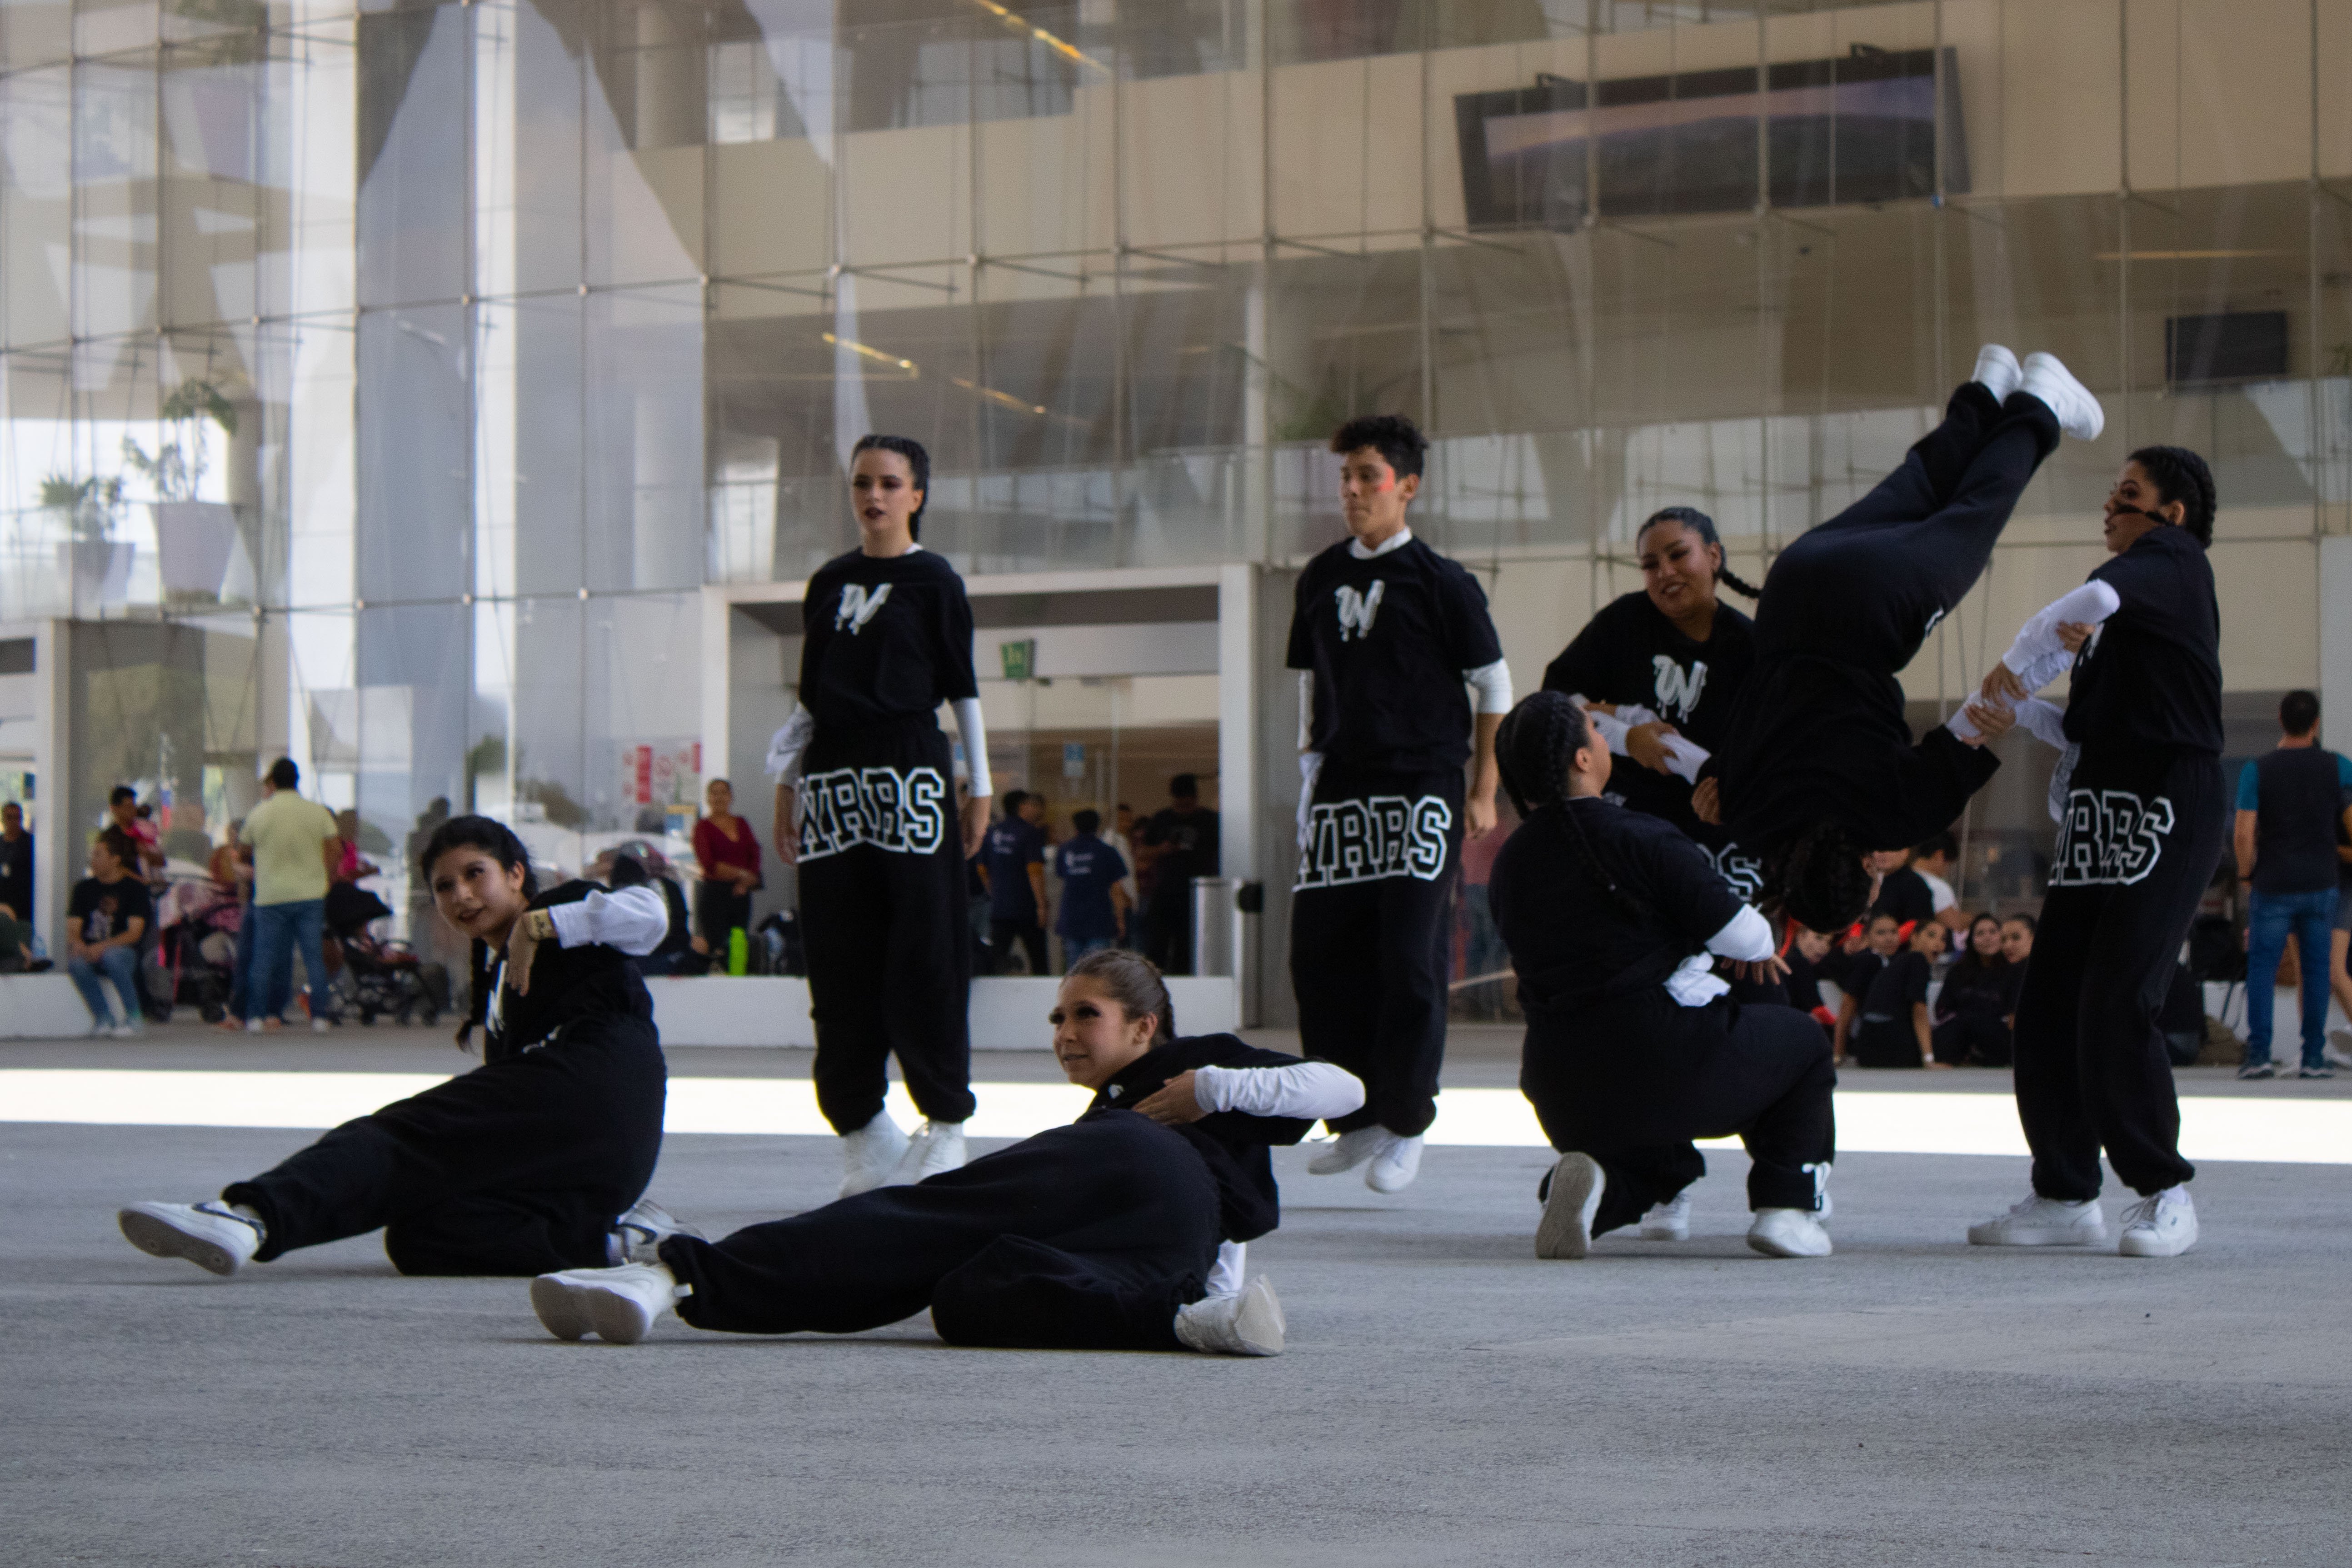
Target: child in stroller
380, 976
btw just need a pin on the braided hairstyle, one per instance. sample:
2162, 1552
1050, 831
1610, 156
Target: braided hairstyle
918, 465
1698, 522
495, 840
2180, 475
1535, 749
1821, 880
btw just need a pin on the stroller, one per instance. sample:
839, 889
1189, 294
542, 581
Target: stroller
193, 961
379, 976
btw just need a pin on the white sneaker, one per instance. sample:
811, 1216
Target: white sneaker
637, 1233
1668, 1221
1247, 1324
125, 1031
619, 1305
1788, 1233
2043, 1221
2079, 414
869, 1154
1395, 1167
2338, 1048
253, 1025
210, 1234
1349, 1150
2162, 1226
1566, 1228
935, 1146
1997, 372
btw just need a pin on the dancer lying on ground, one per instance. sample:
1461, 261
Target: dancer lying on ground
1635, 1047
1819, 767
530, 1162
1108, 1234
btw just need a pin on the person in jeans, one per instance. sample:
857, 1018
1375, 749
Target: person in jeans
107, 918
295, 845
1094, 911
2288, 804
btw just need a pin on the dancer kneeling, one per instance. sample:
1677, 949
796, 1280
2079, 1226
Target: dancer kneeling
1635, 1047
1109, 1234
530, 1162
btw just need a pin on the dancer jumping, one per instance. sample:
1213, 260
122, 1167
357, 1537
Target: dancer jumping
1121, 1231
537, 1158
1387, 634
866, 807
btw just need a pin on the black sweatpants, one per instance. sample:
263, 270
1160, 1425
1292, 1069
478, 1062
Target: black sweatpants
520, 1166
718, 909
1371, 937
2139, 843
1083, 1238
1979, 1037
1632, 1081
883, 923
1867, 586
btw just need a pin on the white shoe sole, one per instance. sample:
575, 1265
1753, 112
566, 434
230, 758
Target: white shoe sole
2080, 413
159, 1237
618, 1318
1666, 1233
1385, 1177
1566, 1228
1260, 1325
1772, 1246
2145, 1244
1336, 1161
557, 1302
1997, 1236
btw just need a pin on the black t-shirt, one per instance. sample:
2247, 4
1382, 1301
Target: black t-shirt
101, 912
1803, 984
1192, 849
1387, 640
1630, 652
1900, 984
1570, 942
2151, 678
1904, 893
16, 875
884, 640
1231, 1144
567, 985
1977, 987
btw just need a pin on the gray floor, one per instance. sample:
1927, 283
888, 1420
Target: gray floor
1447, 1398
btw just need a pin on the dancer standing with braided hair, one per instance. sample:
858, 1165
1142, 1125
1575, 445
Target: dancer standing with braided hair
535, 1160
2140, 833
1635, 1046
1818, 768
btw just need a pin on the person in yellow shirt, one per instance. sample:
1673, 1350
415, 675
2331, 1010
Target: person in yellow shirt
295, 843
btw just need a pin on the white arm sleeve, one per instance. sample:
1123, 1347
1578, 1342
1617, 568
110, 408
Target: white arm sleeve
1306, 709
1683, 760
2046, 721
1746, 938
2037, 657
1310, 768
1232, 1263
1313, 1090
785, 746
634, 919
1493, 684
974, 731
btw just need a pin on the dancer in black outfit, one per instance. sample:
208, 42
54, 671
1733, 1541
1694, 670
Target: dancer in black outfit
1819, 767
2143, 829
1103, 1235
1387, 634
531, 1161
866, 807
1614, 922
1661, 671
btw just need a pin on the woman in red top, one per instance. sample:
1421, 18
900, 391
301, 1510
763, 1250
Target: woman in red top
730, 853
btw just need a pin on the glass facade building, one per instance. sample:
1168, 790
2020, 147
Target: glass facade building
406, 387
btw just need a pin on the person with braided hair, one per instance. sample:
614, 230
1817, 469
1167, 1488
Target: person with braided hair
1662, 671
2142, 823
1635, 1045
1819, 768
539, 1158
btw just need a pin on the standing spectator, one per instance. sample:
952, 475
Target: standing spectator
138, 830
15, 862
106, 920
2288, 806
728, 853
1180, 842
1975, 1009
1931, 862
1012, 863
296, 847
1094, 892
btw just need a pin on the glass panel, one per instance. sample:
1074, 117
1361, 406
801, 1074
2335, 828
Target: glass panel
114, 27
37, 204
407, 742
213, 201
307, 260
415, 490
35, 32
114, 197
412, 154
643, 473
772, 109
527, 157
648, 119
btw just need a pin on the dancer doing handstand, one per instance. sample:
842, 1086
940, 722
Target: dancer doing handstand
1108, 1234
1633, 1047
533, 1160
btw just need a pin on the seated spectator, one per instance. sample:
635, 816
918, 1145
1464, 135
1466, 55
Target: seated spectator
106, 919
1975, 1010
1887, 1027
17, 955
1810, 960
2017, 939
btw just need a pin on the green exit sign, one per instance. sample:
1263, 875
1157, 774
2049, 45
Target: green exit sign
1019, 659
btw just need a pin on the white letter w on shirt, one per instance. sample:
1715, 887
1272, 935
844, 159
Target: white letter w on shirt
1357, 610
858, 606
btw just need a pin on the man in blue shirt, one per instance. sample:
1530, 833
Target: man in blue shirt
2288, 806
1094, 892
1012, 863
